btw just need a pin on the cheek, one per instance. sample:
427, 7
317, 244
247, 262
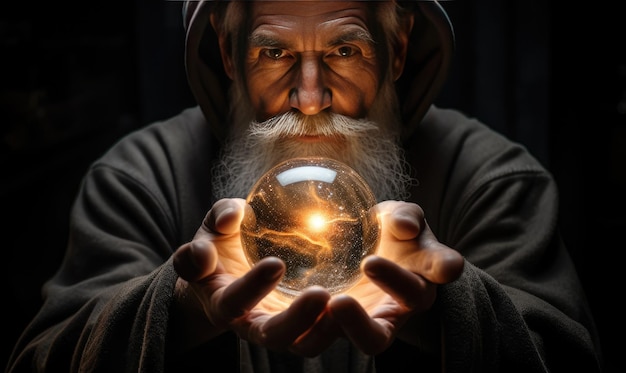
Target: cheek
354, 90
268, 92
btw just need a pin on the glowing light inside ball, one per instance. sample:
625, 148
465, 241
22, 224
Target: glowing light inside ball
316, 215
317, 222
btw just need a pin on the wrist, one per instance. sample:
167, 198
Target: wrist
424, 332
188, 324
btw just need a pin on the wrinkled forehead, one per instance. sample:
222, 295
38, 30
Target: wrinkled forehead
304, 20
307, 9
307, 16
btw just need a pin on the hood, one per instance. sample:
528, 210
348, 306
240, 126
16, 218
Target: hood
428, 60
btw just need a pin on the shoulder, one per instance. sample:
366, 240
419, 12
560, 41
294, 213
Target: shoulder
466, 148
162, 169
458, 159
176, 142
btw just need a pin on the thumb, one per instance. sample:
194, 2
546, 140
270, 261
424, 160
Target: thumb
195, 260
224, 217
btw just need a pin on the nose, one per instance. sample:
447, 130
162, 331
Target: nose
310, 94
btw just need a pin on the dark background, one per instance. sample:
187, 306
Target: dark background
75, 79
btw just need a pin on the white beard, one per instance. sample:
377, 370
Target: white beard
366, 146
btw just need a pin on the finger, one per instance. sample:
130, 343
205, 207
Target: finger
195, 260
407, 288
435, 261
431, 259
406, 220
369, 335
245, 292
224, 217
440, 266
318, 338
282, 330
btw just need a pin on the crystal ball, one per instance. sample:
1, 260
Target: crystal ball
316, 215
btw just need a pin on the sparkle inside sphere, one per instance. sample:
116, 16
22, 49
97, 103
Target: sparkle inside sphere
316, 215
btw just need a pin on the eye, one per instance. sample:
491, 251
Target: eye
345, 51
274, 53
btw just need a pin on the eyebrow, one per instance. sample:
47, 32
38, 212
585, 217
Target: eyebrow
263, 40
258, 40
358, 35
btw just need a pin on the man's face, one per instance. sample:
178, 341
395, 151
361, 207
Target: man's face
312, 86
311, 56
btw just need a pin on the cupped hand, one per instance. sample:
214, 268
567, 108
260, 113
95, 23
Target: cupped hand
216, 278
400, 281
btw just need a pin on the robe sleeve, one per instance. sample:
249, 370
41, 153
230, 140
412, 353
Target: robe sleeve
519, 305
107, 307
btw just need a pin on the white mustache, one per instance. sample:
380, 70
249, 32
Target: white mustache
297, 124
